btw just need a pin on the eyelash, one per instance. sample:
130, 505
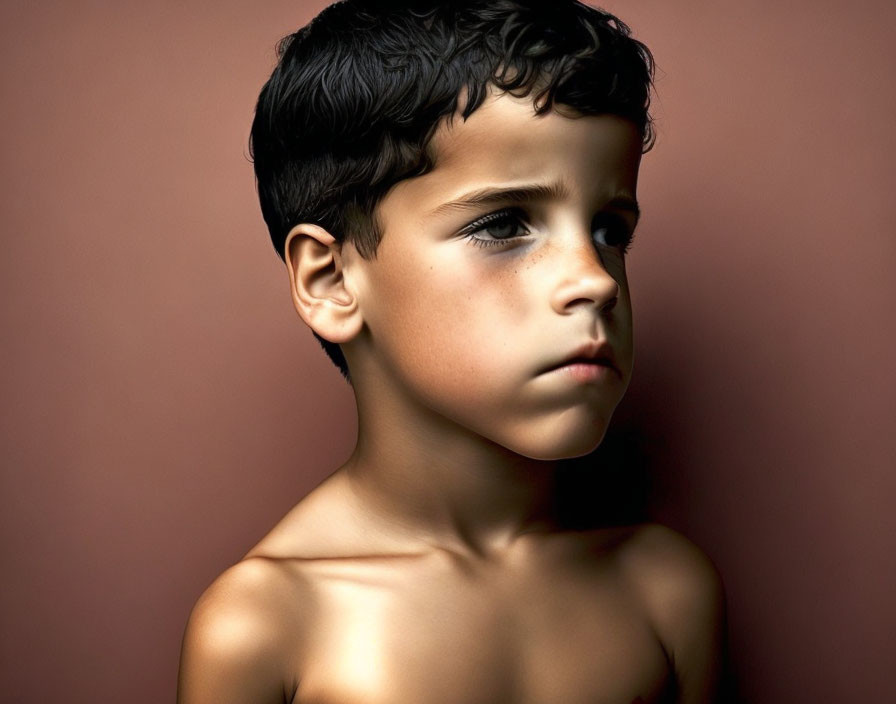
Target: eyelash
510, 216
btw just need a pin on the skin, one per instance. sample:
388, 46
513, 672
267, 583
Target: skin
432, 566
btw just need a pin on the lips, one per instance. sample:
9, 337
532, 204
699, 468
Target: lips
594, 352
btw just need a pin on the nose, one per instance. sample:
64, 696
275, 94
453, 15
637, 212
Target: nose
585, 279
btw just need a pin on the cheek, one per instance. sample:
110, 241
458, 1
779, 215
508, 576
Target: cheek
448, 322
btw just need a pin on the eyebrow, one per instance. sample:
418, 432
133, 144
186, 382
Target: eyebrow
625, 203
515, 194
522, 194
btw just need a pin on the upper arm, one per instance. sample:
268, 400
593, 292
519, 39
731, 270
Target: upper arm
235, 646
685, 600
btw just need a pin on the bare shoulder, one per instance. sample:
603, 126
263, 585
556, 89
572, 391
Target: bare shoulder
669, 570
684, 598
247, 637
240, 641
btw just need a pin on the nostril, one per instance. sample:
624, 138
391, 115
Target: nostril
588, 302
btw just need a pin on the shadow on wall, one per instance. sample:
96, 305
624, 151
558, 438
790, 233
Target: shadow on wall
629, 479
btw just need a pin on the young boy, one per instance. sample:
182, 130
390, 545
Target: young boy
452, 186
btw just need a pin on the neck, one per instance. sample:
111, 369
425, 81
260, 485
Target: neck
441, 483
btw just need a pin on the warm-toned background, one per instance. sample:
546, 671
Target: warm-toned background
162, 406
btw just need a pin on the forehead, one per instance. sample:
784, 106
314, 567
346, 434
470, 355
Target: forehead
505, 143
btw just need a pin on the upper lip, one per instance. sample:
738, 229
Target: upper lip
591, 352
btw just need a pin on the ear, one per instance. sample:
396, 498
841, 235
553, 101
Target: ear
317, 279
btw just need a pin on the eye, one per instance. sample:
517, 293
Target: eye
611, 230
496, 228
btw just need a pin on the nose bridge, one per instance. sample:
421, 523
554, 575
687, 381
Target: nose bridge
582, 275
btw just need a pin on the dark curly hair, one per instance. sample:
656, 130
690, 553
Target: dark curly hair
358, 93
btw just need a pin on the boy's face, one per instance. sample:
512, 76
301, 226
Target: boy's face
475, 297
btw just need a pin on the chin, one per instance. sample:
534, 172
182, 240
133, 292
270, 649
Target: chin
574, 442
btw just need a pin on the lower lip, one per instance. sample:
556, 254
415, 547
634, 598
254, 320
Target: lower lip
584, 372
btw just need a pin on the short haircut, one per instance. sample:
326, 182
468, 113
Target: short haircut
358, 93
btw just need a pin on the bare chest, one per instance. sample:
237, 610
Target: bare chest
444, 637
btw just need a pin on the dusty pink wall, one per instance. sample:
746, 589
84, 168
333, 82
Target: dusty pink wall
162, 405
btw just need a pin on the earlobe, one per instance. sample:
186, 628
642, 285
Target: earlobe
318, 283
